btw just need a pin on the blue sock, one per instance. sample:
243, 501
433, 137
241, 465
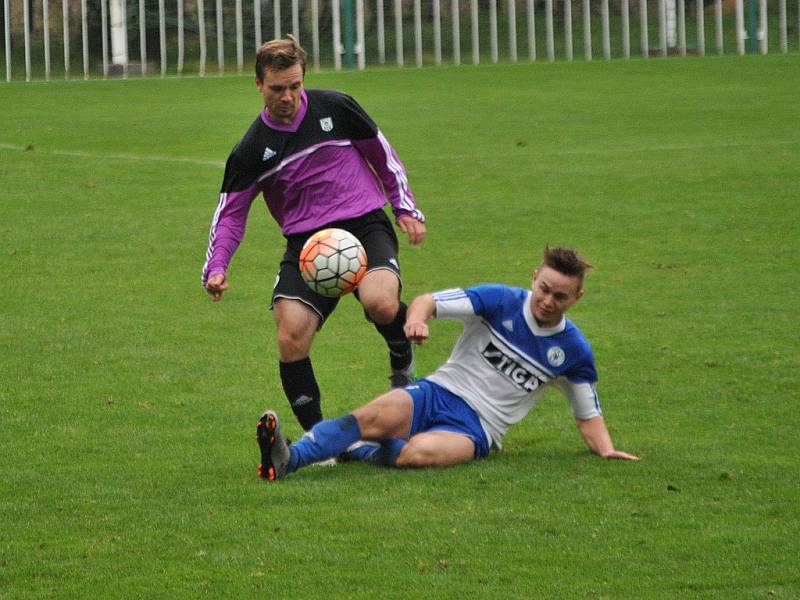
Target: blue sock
326, 439
381, 455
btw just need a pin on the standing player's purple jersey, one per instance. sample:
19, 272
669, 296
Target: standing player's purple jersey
504, 360
330, 163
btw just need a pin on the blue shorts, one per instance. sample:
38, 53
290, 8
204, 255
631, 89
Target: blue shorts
435, 408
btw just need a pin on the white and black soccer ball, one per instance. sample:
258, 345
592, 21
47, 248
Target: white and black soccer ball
333, 262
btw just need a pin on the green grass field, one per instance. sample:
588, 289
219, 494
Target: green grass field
128, 400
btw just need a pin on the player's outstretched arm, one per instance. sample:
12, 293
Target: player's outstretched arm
215, 286
414, 228
421, 309
595, 434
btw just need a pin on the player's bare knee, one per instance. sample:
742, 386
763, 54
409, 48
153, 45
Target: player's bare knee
382, 309
293, 344
416, 456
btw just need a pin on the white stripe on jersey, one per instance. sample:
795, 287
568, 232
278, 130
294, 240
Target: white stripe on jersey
212, 234
451, 294
302, 154
399, 174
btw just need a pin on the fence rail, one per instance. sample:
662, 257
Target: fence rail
361, 33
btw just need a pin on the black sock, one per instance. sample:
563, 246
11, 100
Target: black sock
302, 391
399, 346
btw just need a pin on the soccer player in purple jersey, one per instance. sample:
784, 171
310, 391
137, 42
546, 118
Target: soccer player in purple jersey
515, 344
320, 161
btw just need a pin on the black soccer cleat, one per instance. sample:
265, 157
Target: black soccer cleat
274, 449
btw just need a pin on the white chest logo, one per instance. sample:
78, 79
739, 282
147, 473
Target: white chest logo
268, 153
326, 124
555, 356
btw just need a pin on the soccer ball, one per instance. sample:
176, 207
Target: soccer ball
333, 262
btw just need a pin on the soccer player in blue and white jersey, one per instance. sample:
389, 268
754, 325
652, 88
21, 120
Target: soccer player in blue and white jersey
515, 344
320, 161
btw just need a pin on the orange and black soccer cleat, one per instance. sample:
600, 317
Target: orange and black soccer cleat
274, 448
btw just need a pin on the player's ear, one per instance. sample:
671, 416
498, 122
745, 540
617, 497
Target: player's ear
579, 295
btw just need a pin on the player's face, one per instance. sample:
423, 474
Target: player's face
553, 294
281, 91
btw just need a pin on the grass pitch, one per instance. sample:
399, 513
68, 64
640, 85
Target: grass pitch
128, 400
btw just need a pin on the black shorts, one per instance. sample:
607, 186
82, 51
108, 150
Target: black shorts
376, 233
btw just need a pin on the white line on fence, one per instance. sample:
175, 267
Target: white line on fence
65, 24
337, 33
142, 38
493, 30
381, 34
181, 48
782, 26
257, 19
548, 13
296, 20
455, 16
27, 24
645, 42
85, 38
314, 32
162, 37
437, 33
701, 28
360, 37
568, 29
103, 34
46, 40
531, 31
418, 32
7, 28
476, 53
626, 30
740, 33
239, 38
220, 38
586, 13
398, 31
201, 26
512, 30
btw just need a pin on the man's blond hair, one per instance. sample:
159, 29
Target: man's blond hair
279, 55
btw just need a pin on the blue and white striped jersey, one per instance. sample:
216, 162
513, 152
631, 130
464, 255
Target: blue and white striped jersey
503, 360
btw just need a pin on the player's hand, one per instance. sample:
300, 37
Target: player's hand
620, 455
416, 331
414, 228
215, 285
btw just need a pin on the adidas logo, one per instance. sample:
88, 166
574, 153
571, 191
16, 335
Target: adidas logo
508, 324
268, 153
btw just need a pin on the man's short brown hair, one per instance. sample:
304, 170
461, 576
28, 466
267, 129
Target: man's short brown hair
279, 55
566, 261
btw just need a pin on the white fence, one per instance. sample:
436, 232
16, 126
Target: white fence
106, 38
